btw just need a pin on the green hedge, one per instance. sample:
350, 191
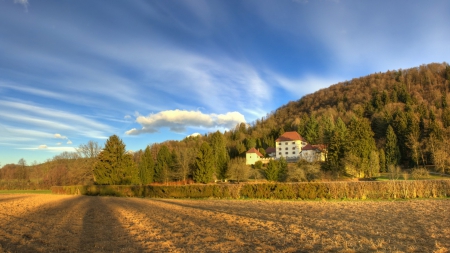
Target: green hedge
306, 191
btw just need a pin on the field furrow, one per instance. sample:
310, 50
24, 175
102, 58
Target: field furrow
52, 223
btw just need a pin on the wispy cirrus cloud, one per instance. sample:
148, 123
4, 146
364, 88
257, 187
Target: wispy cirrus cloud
44, 119
44, 147
24, 3
179, 120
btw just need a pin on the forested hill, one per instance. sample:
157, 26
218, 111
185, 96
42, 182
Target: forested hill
415, 102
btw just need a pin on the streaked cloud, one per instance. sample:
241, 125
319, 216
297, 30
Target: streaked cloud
24, 3
45, 148
48, 119
179, 120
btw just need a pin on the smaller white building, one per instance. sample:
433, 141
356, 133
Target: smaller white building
313, 153
252, 156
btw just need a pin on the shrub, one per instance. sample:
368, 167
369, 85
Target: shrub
420, 173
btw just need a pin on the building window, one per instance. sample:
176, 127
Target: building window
293, 153
280, 143
286, 143
279, 149
293, 142
279, 153
286, 148
287, 153
293, 148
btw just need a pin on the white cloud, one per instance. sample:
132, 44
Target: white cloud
69, 142
59, 136
42, 147
59, 143
179, 120
194, 135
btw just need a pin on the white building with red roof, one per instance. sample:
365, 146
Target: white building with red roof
289, 145
312, 153
252, 156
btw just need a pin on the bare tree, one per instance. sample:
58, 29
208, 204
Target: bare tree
185, 158
237, 169
89, 150
22, 173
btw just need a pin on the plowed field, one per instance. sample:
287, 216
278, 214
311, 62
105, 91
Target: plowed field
53, 223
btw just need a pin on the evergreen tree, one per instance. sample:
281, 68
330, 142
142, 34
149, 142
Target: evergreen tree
374, 165
220, 153
382, 156
282, 169
272, 171
360, 138
114, 166
326, 128
392, 151
312, 130
360, 145
146, 167
163, 165
204, 165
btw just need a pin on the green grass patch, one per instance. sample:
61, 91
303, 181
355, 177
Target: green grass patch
25, 192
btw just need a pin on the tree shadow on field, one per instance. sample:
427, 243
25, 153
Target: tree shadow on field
102, 231
6, 199
72, 224
249, 214
228, 235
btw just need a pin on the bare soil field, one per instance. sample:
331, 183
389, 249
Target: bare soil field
56, 223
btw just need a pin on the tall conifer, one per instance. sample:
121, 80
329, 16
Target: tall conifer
203, 165
392, 151
114, 166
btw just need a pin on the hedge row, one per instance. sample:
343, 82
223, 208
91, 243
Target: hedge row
305, 191
350, 190
187, 191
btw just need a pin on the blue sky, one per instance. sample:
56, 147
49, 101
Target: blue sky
150, 71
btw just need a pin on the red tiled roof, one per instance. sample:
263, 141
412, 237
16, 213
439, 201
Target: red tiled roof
254, 150
271, 150
290, 136
308, 147
318, 147
321, 147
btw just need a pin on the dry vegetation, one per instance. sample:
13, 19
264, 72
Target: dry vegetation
55, 223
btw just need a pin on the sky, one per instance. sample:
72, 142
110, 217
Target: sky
151, 71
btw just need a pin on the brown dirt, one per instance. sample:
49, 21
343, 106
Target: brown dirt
54, 223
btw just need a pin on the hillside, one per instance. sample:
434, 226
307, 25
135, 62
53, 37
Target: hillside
413, 101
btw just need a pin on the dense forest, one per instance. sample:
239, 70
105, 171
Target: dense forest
378, 123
